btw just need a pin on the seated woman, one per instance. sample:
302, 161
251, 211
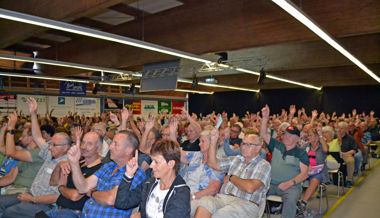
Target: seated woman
334, 159
317, 150
165, 194
202, 180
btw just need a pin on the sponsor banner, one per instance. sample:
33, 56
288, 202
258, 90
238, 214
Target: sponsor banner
87, 106
72, 88
113, 104
41, 103
148, 107
177, 107
133, 104
7, 104
164, 106
61, 105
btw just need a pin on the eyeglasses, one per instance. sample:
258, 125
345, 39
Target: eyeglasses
234, 131
55, 145
248, 144
23, 135
165, 134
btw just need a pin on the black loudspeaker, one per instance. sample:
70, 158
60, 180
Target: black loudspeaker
262, 76
194, 85
95, 90
133, 89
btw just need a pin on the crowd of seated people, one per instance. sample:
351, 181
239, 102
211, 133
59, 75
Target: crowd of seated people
184, 165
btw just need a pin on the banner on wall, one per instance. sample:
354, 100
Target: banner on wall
7, 104
41, 103
87, 106
177, 107
164, 106
148, 107
72, 88
113, 104
133, 104
61, 105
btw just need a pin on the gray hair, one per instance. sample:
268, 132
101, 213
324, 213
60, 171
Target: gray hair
283, 125
131, 141
65, 138
328, 129
207, 134
343, 124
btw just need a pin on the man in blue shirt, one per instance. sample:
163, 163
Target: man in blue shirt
102, 186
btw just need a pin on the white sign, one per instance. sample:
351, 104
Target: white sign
87, 106
148, 107
41, 103
61, 105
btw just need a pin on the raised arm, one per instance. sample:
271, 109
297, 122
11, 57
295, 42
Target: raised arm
36, 132
314, 114
263, 132
292, 111
212, 161
3, 131
83, 185
10, 148
193, 123
174, 129
226, 144
143, 143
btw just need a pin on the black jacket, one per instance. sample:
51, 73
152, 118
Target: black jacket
176, 203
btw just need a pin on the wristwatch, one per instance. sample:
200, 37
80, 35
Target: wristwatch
193, 196
11, 131
92, 192
61, 186
294, 182
32, 200
231, 177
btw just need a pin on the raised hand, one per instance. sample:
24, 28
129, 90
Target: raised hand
132, 165
4, 128
89, 121
363, 114
265, 111
354, 112
12, 120
73, 155
78, 132
292, 109
174, 125
32, 106
227, 132
214, 135
372, 113
114, 119
125, 113
314, 113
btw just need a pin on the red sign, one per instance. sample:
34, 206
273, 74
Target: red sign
177, 107
133, 104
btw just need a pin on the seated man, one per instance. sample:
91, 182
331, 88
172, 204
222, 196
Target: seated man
23, 175
41, 195
102, 186
289, 165
234, 136
70, 202
245, 185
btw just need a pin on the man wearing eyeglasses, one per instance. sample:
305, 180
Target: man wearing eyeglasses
234, 135
20, 178
245, 185
289, 165
41, 195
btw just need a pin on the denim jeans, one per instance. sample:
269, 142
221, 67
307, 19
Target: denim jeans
358, 159
66, 213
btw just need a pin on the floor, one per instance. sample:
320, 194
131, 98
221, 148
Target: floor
362, 200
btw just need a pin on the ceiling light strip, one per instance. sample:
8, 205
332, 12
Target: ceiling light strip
25, 18
65, 64
42, 77
297, 13
194, 91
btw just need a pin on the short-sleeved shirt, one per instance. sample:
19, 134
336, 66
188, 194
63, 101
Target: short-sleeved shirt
7, 165
256, 168
195, 162
366, 138
191, 146
41, 184
106, 182
77, 205
348, 144
286, 164
375, 136
334, 146
27, 171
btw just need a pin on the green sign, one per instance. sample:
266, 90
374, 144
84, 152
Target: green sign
164, 106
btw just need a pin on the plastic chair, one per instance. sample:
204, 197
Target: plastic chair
276, 198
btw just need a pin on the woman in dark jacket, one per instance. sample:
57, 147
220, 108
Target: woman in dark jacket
166, 195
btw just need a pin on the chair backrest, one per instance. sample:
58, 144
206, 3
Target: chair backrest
261, 210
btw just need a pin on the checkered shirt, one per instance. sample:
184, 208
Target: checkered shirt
106, 182
41, 185
257, 168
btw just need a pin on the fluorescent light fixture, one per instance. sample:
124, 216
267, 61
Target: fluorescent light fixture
115, 84
218, 85
42, 77
280, 79
297, 13
25, 18
194, 91
64, 64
